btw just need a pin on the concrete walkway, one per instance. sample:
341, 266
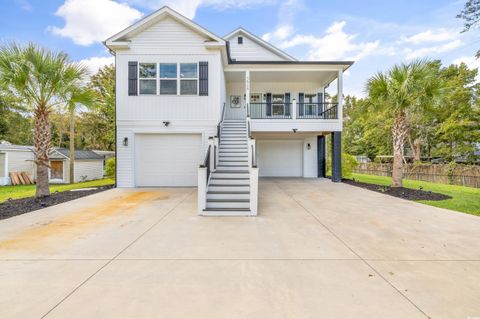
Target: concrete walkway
317, 250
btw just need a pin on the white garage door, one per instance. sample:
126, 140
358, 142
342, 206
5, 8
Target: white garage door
167, 159
280, 158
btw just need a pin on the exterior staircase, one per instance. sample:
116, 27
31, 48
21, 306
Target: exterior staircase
229, 184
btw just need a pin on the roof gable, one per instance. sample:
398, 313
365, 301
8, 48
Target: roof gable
121, 39
256, 45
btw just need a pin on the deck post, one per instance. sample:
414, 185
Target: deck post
340, 95
247, 92
294, 109
321, 156
202, 189
336, 157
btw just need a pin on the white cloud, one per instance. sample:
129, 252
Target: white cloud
432, 50
280, 33
90, 21
439, 35
24, 5
335, 44
472, 63
96, 63
189, 7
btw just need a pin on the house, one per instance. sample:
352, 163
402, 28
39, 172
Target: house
15, 158
20, 158
88, 166
197, 109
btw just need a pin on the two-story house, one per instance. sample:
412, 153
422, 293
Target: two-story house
197, 109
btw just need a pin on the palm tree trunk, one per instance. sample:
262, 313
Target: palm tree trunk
399, 128
72, 146
41, 142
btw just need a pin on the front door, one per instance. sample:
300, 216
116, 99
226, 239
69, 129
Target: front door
278, 105
56, 170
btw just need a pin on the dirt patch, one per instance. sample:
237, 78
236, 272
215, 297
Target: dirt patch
400, 192
51, 234
21, 206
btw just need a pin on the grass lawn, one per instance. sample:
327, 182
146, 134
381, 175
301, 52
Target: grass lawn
22, 191
464, 199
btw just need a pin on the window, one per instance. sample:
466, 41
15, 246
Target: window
188, 78
168, 78
240, 40
148, 78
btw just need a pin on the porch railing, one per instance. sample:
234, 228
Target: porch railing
271, 110
325, 111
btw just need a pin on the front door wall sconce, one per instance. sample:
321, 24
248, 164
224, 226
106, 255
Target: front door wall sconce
125, 141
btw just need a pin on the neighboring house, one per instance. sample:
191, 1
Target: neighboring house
88, 166
15, 158
237, 105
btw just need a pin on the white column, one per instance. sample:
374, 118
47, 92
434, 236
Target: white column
211, 143
247, 91
202, 189
253, 190
294, 109
215, 142
340, 94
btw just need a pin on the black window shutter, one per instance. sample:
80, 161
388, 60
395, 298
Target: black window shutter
301, 99
320, 103
269, 104
203, 78
132, 78
287, 104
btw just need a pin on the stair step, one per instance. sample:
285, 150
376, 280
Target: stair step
233, 159
225, 188
232, 212
227, 203
230, 196
229, 182
229, 174
232, 168
230, 163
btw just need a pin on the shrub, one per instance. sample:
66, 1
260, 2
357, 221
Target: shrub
110, 167
349, 162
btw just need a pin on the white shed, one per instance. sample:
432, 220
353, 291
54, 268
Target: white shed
15, 158
88, 166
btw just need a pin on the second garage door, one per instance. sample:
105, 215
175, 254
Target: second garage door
167, 159
280, 158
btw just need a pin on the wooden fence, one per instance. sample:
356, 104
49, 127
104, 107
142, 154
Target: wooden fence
465, 175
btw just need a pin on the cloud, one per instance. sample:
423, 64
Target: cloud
472, 63
439, 35
189, 7
286, 16
85, 25
24, 5
335, 44
432, 50
280, 33
96, 63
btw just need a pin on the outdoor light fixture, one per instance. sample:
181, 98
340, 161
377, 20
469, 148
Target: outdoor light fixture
125, 141
166, 123
294, 130
308, 146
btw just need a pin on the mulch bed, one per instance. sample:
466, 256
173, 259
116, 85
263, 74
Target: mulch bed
14, 207
401, 192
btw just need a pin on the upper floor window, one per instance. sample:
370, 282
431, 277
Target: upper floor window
240, 40
188, 78
168, 78
148, 78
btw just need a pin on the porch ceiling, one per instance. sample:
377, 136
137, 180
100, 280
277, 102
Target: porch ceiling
321, 77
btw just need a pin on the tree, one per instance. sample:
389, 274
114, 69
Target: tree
405, 89
77, 96
471, 16
38, 78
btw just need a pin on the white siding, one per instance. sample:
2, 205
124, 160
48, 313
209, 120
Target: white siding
86, 170
21, 161
163, 42
251, 50
2, 165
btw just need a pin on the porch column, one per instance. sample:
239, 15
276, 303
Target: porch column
321, 158
336, 156
340, 95
247, 92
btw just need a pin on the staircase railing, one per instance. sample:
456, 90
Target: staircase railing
253, 172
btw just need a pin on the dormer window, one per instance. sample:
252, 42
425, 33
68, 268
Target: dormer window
240, 40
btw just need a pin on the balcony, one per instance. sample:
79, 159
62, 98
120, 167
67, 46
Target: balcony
283, 110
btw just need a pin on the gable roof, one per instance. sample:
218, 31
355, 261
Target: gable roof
79, 154
119, 39
260, 42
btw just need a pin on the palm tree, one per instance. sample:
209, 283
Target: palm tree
404, 90
39, 78
77, 96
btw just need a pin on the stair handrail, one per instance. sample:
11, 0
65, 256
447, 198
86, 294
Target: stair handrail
219, 125
206, 162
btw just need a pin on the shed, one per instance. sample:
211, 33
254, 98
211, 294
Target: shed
15, 158
88, 166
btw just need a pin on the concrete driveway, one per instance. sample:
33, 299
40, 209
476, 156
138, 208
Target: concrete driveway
317, 250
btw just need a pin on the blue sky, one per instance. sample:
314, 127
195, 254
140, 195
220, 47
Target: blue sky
374, 33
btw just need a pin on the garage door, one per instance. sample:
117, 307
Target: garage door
280, 158
167, 159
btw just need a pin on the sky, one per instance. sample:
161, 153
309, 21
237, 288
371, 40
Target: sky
376, 34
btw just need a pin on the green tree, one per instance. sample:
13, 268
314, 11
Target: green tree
471, 17
404, 89
38, 78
